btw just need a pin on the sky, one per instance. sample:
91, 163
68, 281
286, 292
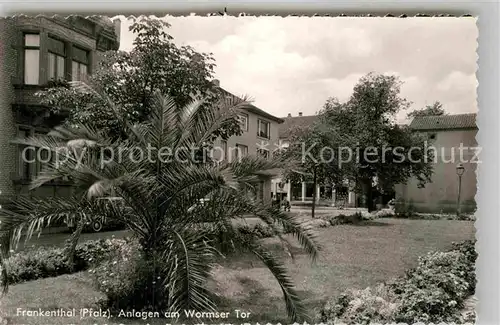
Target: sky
294, 64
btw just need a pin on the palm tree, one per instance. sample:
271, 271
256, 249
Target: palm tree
157, 195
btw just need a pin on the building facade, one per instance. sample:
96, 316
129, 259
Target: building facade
300, 193
36, 51
452, 138
260, 136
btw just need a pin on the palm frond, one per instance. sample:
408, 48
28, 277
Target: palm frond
202, 122
303, 232
80, 132
187, 272
250, 166
107, 101
164, 120
30, 215
273, 217
296, 311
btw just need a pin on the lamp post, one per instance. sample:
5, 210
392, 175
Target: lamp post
460, 171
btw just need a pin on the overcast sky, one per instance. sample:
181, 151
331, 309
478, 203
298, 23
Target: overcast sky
293, 64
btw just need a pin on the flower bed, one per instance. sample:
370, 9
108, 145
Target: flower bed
435, 216
264, 231
435, 291
44, 262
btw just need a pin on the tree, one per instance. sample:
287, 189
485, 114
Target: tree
381, 153
435, 109
129, 80
157, 191
309, 157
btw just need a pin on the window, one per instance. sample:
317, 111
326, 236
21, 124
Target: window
31, 59
263, 153
243, 119
241, 151
31, 160
432, 136
263, 129
57, 59
79, 65
56, 67
79, 71
25, 156
42, 157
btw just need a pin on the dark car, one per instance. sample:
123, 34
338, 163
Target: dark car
97, 223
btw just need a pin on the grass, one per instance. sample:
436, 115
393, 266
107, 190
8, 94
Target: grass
353, 256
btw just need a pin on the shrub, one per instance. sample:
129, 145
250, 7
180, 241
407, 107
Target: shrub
96, 251
123, 278
319, 223
404, 209
246, 229
467, 217
434, 291
433, 216
342, 219
44, 262
468, 249
361, 306
130, 281
385, 213
37, 263
350, 219
263, 231
332, 220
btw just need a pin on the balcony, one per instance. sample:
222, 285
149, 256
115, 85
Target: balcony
28, 109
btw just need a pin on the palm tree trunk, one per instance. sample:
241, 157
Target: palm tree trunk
315, 181
73, 241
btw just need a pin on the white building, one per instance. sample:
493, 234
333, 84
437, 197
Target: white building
328, 194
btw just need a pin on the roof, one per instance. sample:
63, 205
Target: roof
254, 109
295, 122
102, 20
445, 122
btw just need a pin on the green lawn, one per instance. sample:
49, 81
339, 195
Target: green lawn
353, 256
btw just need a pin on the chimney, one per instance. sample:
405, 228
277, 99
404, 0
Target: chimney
289, 114
300, 113
216, 82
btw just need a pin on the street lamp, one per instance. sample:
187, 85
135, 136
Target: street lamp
460, 172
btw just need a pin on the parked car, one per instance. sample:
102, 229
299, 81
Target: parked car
96, 223
200, 204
